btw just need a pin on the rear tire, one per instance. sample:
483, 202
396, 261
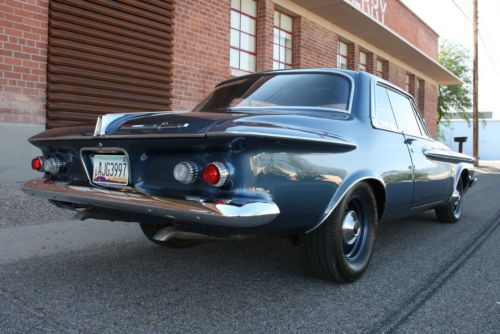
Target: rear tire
452, 212
150, 230
341, 248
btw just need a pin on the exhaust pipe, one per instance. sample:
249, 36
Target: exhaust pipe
170, 232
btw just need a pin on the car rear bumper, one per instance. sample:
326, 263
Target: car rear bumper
220, 213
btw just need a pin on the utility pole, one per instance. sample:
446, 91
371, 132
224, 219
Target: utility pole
475, 79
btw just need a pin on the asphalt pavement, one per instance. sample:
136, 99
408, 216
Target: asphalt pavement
64, 276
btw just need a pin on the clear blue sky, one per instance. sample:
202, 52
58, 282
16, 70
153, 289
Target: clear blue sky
452, 19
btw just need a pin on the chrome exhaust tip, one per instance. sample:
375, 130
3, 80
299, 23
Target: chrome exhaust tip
170, 232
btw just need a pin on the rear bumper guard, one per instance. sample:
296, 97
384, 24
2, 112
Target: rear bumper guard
220, 213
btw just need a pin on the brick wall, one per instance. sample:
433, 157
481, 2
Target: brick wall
430, 107
265, 25
352, 56
313, 45
408, 25
23, 60
200, 49
200, 53
396, 75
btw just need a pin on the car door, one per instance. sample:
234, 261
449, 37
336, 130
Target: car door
431, 177
395, 161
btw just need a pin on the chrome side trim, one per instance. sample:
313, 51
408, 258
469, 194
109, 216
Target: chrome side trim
249, 214
448, 155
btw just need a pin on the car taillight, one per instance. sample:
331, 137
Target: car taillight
52, 165
215, 174
186, 172
37, 164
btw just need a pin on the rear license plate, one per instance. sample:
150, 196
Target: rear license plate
111, 170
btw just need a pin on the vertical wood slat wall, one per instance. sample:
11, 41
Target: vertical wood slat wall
107, 56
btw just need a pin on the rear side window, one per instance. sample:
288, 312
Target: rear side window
384, 117
405, 115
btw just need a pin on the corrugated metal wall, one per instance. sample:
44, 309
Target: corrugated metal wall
107, 56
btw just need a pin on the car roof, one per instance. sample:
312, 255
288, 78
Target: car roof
349, 73
352, 74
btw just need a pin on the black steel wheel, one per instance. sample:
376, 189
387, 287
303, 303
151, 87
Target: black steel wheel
150, 230
452, 212
341, 248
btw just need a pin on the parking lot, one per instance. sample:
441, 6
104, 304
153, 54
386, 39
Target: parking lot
59, 275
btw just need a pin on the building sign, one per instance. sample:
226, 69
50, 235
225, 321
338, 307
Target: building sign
375, 9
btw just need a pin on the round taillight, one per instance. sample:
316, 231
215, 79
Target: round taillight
215, 174
186, 172
37, 164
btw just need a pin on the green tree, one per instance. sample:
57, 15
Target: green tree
456, 59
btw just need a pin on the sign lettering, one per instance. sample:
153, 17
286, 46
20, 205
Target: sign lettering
376, 9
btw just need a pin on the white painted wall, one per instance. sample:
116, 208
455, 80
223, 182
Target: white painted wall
489, 137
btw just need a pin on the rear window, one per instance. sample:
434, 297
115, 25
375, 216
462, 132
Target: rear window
306, 90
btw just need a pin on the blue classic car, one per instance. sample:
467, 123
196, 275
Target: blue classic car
320, 155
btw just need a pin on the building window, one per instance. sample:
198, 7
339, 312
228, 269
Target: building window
407, 82
342, 55
362, 61
243, 30
282, 42
379, 68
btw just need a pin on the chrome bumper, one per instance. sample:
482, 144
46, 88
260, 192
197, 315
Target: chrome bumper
249, 214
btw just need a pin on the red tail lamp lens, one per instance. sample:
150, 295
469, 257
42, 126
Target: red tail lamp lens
211, 174
216, 173
37, 164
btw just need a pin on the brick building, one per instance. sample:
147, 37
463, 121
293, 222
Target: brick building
64, 62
